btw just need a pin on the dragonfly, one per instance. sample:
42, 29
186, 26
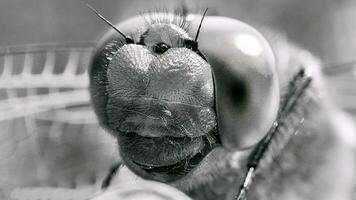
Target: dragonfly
45, 110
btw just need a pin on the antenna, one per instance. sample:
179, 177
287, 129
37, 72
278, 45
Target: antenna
201, 22
128, 39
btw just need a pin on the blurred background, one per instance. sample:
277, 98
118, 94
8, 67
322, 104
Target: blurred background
325, 27
49, 137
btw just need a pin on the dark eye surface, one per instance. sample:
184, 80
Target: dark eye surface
161, 47
191, 44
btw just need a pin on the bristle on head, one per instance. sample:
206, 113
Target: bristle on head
201, 22
164, 16
128, 39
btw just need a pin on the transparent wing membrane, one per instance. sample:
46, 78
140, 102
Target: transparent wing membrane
341, 81
49, 137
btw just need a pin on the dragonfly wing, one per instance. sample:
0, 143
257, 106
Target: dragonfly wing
50, 141
341, 83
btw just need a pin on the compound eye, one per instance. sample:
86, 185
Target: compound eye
245, 80
161, 47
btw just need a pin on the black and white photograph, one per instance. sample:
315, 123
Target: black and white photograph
177, 100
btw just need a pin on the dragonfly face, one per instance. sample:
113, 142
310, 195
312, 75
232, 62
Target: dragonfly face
183, 113
166, 103
160, 103
158, 95
160, 107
